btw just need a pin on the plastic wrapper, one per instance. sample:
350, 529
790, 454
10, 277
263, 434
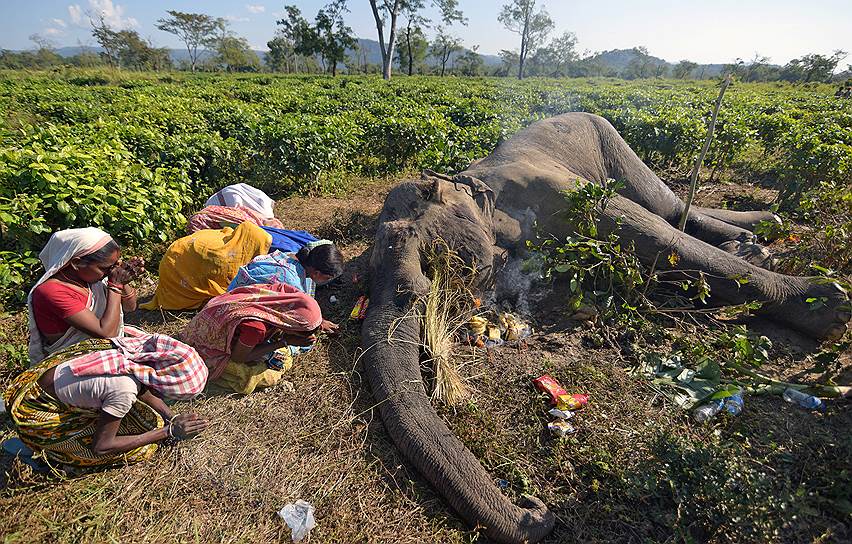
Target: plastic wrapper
561, 427
300, 518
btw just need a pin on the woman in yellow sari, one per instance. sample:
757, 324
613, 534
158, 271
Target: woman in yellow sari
200, 266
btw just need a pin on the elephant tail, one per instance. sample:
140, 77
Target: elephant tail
392, 363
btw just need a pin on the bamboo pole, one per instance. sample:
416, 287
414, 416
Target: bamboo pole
693, 184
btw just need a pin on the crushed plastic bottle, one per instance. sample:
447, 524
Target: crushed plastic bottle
733, 405
300, 518
706, 411
808, 402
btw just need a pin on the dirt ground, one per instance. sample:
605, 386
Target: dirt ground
637, 470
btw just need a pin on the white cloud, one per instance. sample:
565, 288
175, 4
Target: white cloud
113, 14
255, 8
75, 12
52, 31
59, 22
235, 19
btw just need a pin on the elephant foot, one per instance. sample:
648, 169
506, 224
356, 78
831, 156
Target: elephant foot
751, 252
822, 309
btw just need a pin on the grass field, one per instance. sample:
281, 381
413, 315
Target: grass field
638, 469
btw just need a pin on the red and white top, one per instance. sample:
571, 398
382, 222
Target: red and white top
53, 302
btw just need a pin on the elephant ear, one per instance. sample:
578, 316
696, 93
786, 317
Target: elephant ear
482, 194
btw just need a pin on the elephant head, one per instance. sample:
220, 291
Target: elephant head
415, 214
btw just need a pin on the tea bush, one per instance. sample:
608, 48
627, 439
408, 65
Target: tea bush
134, 153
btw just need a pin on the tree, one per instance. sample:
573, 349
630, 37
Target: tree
443, 47
295, 35
520, 17
193, 29
556, 58
471, 62
388, 11
757, 68
280, 55
334, 37
812, 67
107, 38
508, 61
234, 54
642, 65
412, 48
683, 69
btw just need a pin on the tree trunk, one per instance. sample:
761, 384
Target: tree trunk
410, 53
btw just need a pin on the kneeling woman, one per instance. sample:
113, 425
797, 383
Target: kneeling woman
99, 403
244, 335
71, 302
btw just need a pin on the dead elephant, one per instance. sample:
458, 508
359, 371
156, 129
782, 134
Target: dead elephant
491, 208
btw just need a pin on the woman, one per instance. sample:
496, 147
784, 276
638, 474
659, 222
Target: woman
239, 334
99, 402
243, 195
219, 217
200, 266
316, 263
71, 301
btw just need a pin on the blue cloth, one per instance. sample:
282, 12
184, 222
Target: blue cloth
288, 241
277, 267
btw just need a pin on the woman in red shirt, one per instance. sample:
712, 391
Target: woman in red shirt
83, 292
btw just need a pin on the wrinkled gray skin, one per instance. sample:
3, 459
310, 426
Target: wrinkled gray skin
491, 208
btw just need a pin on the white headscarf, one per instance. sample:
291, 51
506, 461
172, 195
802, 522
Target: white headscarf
242, 194
63, 246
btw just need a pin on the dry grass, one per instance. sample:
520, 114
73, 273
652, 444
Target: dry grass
446, 309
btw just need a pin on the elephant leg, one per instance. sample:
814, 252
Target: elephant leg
745, 220
727, 231
784, 297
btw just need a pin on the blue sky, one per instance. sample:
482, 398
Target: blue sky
706, 31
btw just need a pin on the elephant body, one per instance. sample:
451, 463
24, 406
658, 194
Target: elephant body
494, 207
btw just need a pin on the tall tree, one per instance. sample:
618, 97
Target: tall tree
412, 48
470, 63
297, 36
235, 54
757, 68
443, 47
193, 29
280, 57
812, 67
334, 37
520, 17
387, 12
107, 38
683, 68
508, 61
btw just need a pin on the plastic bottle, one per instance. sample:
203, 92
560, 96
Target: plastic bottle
734, 404
809, 402
706, 411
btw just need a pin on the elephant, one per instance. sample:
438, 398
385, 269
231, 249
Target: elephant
492, 208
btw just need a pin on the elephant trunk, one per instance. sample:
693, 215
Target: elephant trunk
391, 340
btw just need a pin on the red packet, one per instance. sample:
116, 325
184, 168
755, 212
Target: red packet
550, 386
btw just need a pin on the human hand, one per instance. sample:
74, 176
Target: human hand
329, 328
300, 339
186, 426
127, 271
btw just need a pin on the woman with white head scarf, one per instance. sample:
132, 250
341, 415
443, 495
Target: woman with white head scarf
246, 196
83, 292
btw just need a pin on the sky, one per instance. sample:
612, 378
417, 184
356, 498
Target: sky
715, 31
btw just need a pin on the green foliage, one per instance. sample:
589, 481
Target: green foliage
599, 271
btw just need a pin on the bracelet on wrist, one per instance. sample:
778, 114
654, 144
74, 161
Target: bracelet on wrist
114, 290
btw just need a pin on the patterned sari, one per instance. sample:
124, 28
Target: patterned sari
64, 434
280, 306
219, 217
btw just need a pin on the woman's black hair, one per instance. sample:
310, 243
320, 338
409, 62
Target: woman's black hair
100, 255
325, 258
